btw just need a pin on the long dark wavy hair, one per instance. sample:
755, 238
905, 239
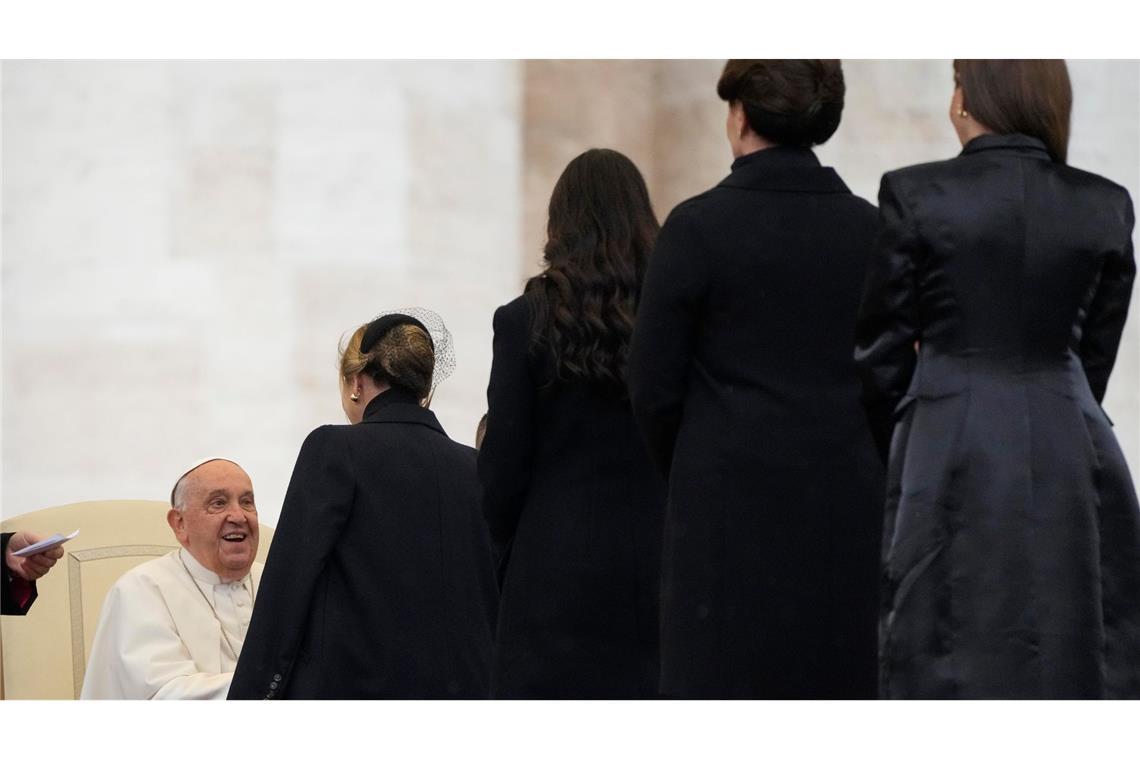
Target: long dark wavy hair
600, 232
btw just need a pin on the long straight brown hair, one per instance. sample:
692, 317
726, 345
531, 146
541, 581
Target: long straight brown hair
1032, 97
600, 232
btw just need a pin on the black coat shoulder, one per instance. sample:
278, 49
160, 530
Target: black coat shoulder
918, 176
514, 313
693, 208
512, 324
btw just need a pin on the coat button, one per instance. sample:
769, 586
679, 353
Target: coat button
277, 677
273, 685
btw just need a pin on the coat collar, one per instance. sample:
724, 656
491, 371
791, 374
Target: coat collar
1025, 145
399, 405
783, 169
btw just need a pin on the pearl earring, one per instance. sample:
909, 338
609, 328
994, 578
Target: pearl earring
962, 113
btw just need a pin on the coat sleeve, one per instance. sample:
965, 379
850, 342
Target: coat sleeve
137, 652
1104, 323
505, 457
665, 333
888, 324
16, 594
317, 506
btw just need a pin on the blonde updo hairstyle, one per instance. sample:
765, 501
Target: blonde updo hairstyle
403, 357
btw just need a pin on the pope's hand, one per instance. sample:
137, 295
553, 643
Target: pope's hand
35, 566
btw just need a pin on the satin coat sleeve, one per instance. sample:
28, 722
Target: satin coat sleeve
888, 323
317, 505
1104, 323
506, 456
138, 652
665, 332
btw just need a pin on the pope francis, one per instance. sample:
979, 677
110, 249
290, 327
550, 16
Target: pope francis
172, 628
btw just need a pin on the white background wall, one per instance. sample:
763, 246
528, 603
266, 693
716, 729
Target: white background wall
184, 243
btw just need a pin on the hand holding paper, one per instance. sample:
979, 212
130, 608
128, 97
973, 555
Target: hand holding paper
30, 557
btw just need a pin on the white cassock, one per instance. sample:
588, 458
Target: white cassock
160, 634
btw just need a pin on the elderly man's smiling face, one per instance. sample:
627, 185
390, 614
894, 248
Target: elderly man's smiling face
217, 518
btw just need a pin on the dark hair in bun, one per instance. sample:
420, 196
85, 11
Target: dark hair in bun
796, 103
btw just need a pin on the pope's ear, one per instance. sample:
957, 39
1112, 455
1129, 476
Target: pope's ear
177, 522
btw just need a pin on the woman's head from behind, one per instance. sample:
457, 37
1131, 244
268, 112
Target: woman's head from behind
1030, 97
600, 231
797, 103
392, 351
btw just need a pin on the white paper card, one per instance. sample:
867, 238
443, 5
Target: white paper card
44, 545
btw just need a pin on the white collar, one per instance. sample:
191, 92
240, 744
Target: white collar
204, 576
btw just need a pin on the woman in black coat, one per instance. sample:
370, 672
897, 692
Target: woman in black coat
379, 582
1012, 540
567, 485
742, 379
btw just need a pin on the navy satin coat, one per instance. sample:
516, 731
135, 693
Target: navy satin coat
1012, 535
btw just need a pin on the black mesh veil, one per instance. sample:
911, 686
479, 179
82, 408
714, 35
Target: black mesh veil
440, 338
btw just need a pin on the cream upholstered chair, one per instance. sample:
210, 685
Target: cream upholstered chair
43, 654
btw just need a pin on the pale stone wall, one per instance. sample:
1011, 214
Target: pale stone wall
184, 243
